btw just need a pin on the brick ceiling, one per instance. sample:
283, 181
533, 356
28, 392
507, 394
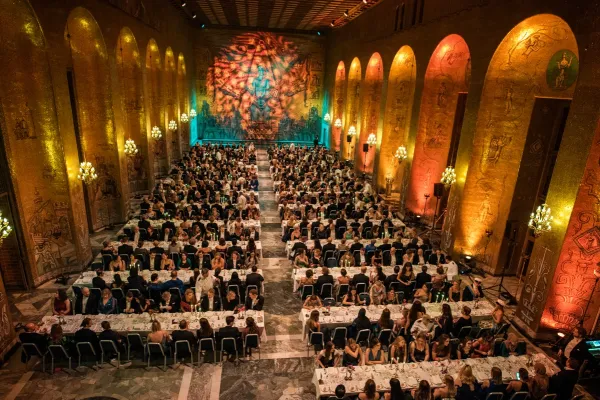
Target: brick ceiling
309, 15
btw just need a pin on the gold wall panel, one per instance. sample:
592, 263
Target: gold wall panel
339, 93
183, 96
129, 71
516, 75
203, 63
54, 241
352, 110
171, 105
447, 75
370, 110
396, 126
8, 335
96, 121
156, 115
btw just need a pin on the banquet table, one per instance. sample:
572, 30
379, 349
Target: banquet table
344, 316
142, 323
299, 273
311, 245
212, 244
326, 380
157, 223
317, 194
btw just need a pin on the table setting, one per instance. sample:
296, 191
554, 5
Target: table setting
311, 245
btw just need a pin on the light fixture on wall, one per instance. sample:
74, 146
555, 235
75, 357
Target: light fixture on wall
338, 123
327, 117
448, 177
372, 140
156, 134
183, 3
172, 125
541, 221
346, 13
184, 118
193, 113
130, 148
194, 15
5, 228
87, 173
352, 131
401, 154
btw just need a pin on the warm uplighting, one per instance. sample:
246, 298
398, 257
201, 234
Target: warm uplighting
448, 177
130, 148
172, 125
193, 113
327, 117
541, 220
87, 172
401, 154
352, 131
372, 140
156, 133
184, 118
338, 123
5, 228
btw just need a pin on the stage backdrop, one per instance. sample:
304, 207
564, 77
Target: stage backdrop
259, 85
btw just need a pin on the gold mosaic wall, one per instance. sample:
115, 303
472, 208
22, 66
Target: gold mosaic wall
171, 105
182, 95
339, 93
352, 110
156, 115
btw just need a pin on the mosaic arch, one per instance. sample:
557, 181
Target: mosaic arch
352, 110
50, 201
396, 125
338, 106
370, 106
129, 71
157, 149
98, 138
447, 75
184, 103
537, 58
171, 104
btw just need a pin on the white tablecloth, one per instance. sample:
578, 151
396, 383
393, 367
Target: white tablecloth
326, 380
165, 245
299, 273
141, 323
395, 222
157, 223
310, 244
344, 316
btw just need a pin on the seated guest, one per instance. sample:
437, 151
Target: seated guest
166, 263
522, 383
370, 391
38, 338
254, 278
229, 331
168, 303
218, 262
346, 261
62, 303
107, 304
134, 263
210, 302
86, 334
183, 334
234, 262
174, 282
325, 278
98, 281
117, 264
231, 301
189, 302
464, 320
419, 258
437, 258
184, 262
441, 348
392, 278
423, 294
156, 249
455, 294
361, 322
377, 293
390, 297
86, 302
563, 383
205, 282
439, 279
205, 330
135, 281
117, 282
131, 306
254, 301
448, 391
57, 336
352, 354
423, 326
108, 334
361, 277
398, 350
540, 382
158, 335
312, 301
495, 384
509, 346
473, 291
327, 357
467, 386
483, 346
351, 298
316, 260
301, 260
465, 349
340, 393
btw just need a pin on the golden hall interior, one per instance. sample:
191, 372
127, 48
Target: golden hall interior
477, 122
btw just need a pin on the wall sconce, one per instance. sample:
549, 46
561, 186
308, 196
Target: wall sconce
172, 125
338, 123
184, 118
87, 173
372, 140
352, 131
540, 221
448, 177
193, 113
5, 229
130, 148
327, 118
401, 154
156, 134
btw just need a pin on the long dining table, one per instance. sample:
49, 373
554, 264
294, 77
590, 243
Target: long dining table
212, 244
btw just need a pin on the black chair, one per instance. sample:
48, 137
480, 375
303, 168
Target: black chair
483, 332
249, 288
117, 293
474, 332
136, 293
502, 331
86, 350
192, 258
106, 259
316, 340
339, 337
31, 350
109, 349
175, 292
58, 353
498, 347
328, 302
454, 343
96, 265
135, 343
205, 345
361, 287
400, 296
251, 341
228, 347
183, 350
464, 332
549, 397
365, 297
331, 262
96, 292
363, 336
342, 291
76, 290
385, 337
326, 290
520, 396
234, 288
494, 396
521, 348
157, 350
307, 290
174, 257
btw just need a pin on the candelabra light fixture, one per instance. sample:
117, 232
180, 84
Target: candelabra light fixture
87, 173
130, 148
184, 118
156, 133
172, 125
541, 220
5, 228
372, 140
352, 131
448, 177
401, 154
338, 123
327, 117
193, 113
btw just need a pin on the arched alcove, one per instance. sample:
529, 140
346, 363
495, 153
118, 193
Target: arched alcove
156, 117
352, 110
370, 106
183, 96
171, 104
338, 106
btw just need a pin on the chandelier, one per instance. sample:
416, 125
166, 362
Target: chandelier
156, 133
327, 117
448, 177
338, 123
541, 220
172, 125
5, 228
87, 172
372, 140
352, 131
184, 118
130, 148
401, 154
193, 113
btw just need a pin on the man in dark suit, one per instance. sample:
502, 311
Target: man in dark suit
86, 302
413, 244
210, 302
135, 281
168, 224
340, 226
329, 248
301, 245
234, 261
422, 277
437, 258
144, 253
235, 247
108, 334
392, 278
385, 246
361, 257
254, 301
361, 277
323, 279
254, 278
575, 347
85, 334
156, 249
367, 227
125, 248
184, 334
144, 223
212, 225
357, 245
229, 331
98, 281
563, 383
151, 234
33, 337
